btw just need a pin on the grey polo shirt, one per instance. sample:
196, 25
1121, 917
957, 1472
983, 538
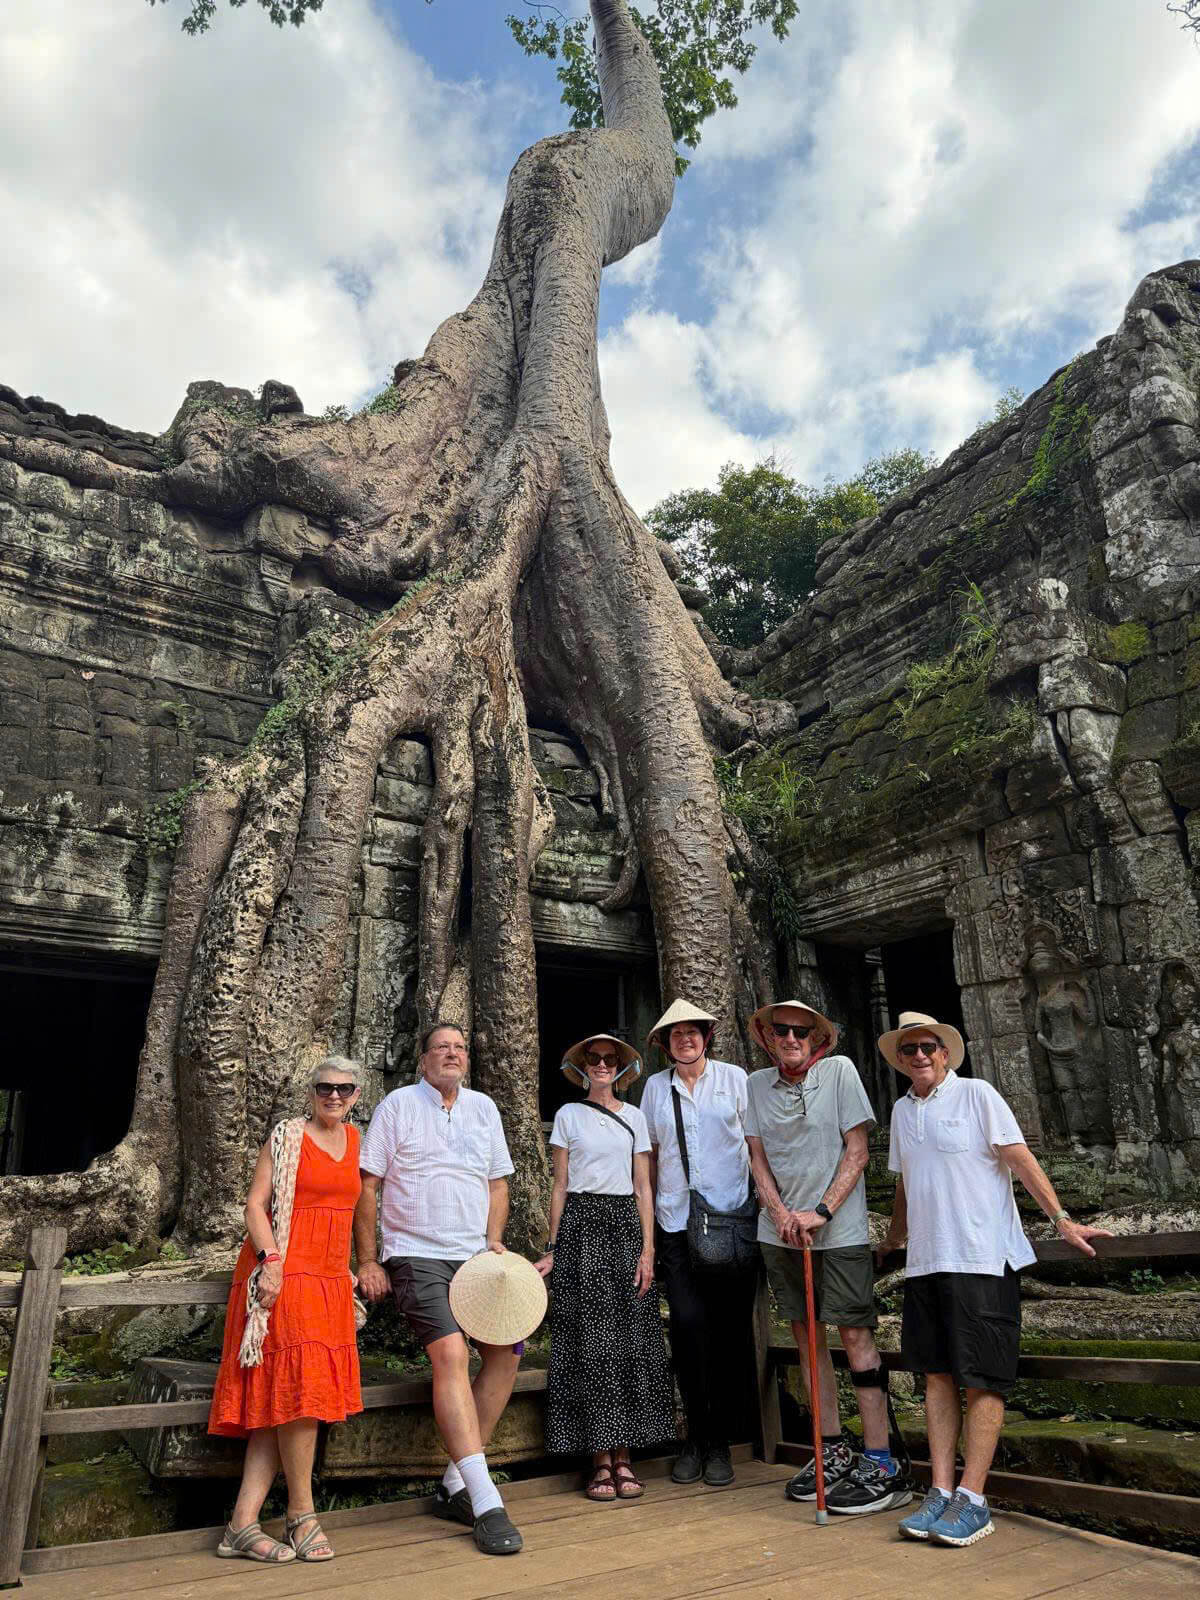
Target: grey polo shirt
801, 1128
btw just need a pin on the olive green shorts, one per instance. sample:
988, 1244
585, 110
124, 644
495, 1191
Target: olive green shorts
843, 1284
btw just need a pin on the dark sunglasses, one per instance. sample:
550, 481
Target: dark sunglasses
922, 1048
328, 1090
595, 1059
799, 1030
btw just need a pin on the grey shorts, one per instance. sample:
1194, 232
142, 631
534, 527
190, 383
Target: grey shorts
843, 1284
422, 1290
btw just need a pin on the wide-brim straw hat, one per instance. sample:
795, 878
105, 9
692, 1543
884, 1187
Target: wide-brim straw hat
573, 1063
760, 1022
678, 1011
498, 1299
918, 1022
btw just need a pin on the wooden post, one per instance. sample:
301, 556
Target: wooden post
769, 1423
28, 1375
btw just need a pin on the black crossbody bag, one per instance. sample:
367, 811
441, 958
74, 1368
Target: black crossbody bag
718, 1241
605, 1112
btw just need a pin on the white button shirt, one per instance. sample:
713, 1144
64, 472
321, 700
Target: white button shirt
435, 1165
713, 1118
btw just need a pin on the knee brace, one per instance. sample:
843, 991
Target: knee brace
872, 1378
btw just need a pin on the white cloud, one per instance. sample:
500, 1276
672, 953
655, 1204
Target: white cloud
302, 204
945, 200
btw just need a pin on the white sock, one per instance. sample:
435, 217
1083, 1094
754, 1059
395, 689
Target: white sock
975, 1499
949, 1493
452, 1479
484, 1494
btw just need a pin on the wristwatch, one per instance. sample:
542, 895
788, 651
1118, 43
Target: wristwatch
823, 1210
268, 1255
1061, 1216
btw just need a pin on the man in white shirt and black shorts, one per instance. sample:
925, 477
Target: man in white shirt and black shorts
436, 1154
955, 1146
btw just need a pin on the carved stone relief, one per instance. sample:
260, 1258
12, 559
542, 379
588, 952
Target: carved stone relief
1179, 1055
1066, 1026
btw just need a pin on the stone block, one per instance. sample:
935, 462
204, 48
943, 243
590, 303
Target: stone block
1090, 737
285, 533
180, 1452
1029, 837
1097, 819
147, 519
550, 750
124, 763
1016, 1081
401, 800
1004, 1007
1144, 869
101, 509
54, 494
1149, 806
1129, 997
578, 783
114, 1498
171, 766
1069, 681
1152, 678
65, 714
1049, 878
403, 1440
70, 755
1147, 730
394, 844
408, 759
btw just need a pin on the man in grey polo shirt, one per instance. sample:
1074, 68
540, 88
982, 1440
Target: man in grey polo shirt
807, 1122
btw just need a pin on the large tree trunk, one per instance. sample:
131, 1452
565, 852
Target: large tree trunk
542, 593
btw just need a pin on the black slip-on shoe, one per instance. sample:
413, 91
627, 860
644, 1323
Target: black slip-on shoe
718, 1469
495, 1534
689, 1464
454, 1507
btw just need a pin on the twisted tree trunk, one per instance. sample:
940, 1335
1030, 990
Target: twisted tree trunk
485, 506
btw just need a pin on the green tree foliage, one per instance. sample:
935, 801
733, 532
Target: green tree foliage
697, 44
752, 541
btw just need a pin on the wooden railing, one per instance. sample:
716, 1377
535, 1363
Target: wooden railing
28, 1421
1181, 1513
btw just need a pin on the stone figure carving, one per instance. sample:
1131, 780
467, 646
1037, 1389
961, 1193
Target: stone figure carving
1179, 1052
1067, 1026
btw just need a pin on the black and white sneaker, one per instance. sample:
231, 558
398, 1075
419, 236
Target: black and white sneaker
837, 1459
867, 1487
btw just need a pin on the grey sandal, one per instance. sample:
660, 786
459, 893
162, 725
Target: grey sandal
314, 1536
241, 1542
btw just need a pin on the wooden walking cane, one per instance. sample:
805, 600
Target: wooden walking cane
814, 1385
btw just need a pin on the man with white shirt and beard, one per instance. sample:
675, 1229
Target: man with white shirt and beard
436, 1164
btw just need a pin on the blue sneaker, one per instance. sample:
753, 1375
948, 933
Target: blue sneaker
918, 1525
962, 1522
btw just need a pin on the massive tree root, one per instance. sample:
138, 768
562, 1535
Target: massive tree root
521, 585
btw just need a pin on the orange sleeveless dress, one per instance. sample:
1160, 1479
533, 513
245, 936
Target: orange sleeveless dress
310, 1355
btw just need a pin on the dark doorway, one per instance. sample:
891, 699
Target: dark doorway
576, 994
69, 1069
918, 975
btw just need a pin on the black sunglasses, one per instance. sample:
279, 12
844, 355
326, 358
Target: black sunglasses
922, 1047
595, 1059
328, 1090
799, 1030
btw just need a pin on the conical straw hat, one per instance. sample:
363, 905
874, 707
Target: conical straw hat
573, 1063
678, 1011
497, 1299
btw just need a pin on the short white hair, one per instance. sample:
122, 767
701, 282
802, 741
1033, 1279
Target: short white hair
342, 1064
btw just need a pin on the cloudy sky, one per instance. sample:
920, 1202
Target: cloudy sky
917, 204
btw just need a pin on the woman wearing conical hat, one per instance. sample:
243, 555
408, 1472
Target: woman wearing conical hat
710, 1312
609, 1385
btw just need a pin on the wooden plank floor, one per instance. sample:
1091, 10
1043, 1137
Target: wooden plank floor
747, 1542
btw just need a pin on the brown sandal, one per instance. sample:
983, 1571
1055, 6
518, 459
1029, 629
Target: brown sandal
629, 1485
601, 1485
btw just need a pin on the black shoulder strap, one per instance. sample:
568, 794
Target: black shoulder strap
605, 1112
681, 1136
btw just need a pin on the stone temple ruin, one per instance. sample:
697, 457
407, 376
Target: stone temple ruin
992, 807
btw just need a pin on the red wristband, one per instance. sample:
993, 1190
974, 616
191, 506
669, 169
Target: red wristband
273, 1256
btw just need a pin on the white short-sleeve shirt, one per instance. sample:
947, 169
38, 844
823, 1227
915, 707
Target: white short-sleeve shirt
436, 1166
962, 1216
599, 1153
713, 1118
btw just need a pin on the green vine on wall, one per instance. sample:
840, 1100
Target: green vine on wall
1063, 441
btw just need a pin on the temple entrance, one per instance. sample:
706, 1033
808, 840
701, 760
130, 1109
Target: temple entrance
869, 988
575, 994
69, 1069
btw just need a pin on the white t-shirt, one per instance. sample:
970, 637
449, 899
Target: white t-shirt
599, 1154
435, 1165
713, 1115
962, 1216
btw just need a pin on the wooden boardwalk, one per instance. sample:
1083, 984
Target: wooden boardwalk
746, 1541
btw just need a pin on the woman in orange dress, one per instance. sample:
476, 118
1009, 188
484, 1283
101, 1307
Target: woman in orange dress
307, 1370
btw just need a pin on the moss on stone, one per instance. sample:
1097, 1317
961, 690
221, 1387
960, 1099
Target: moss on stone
1124, 642
1159, 1403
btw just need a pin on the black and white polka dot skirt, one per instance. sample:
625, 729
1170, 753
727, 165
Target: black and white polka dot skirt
609, 1382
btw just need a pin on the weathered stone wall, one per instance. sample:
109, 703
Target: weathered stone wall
135, 641
1022, 759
